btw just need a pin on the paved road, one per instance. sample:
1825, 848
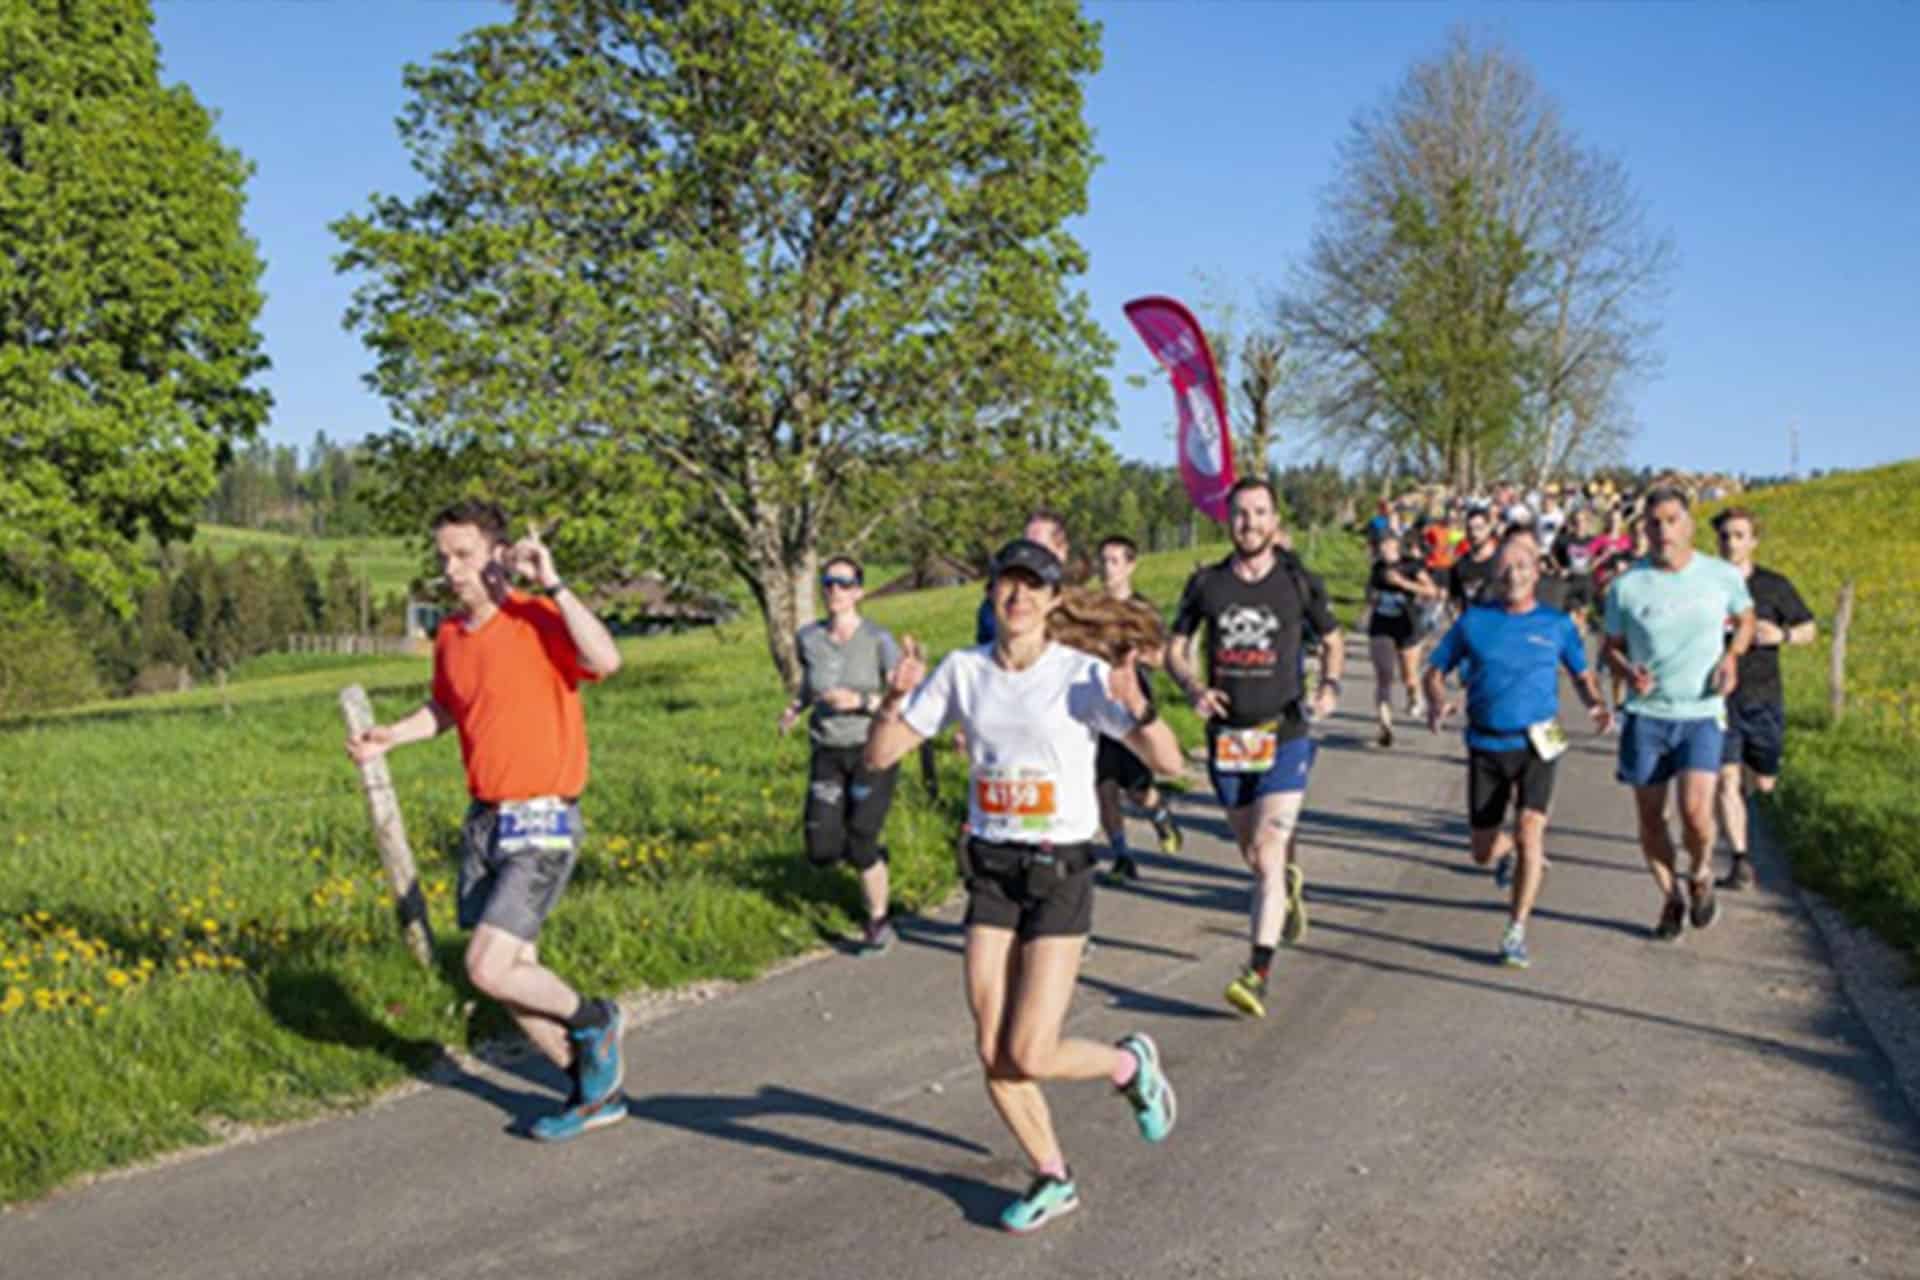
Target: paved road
1623, 1108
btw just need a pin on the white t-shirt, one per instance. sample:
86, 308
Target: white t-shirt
1031, 739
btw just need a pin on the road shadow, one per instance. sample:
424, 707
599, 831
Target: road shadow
1335, 893
733, 1119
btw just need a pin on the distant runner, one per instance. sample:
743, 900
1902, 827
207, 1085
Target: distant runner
1034, 711
507, 669
1473, 570
1756, 711
844, 665
1255, 605
1513, 651
1117, 769
1397, 588
1665, 620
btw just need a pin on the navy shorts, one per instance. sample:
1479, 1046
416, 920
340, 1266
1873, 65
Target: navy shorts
1652, 750
1292, 763
1755, 732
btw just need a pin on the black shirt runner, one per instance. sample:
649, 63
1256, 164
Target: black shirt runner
1468, 583
1775, 601
1393, 607
1254, 645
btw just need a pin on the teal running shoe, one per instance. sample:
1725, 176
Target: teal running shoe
1154, 1107
576, 1120
1513, 947
1047, 1198
598, 1065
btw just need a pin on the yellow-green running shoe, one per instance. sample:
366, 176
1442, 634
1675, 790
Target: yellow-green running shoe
1295, 927
1248, 993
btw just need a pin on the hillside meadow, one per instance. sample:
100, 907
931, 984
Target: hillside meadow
1847, 806
195, 931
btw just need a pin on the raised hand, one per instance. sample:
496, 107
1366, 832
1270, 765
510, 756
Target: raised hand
1123, 685
531, 559
908, 672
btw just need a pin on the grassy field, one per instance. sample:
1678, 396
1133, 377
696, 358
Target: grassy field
1847, 804
194, 928
389, 564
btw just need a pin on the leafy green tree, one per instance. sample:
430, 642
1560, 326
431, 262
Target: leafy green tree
128, 293
304, 584
701, 276
342, 612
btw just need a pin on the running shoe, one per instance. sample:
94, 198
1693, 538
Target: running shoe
1295, 928
1170, 837
1740, 876
1385, 739
1513, 947
1706, 904
1503, 872
1123, 870
1047, 1198
578, 1119
1248, 993
597, 1055
1673, 920
876, 937
1149, 1092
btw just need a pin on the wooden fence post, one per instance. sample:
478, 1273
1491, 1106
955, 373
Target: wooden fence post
1837, 659
390, 833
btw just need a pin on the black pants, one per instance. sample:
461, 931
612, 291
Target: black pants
846, 808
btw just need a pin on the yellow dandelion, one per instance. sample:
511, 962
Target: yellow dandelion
117, 978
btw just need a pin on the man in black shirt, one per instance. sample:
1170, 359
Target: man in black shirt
1756, 710
1473, 571
1116, 769
1255, 605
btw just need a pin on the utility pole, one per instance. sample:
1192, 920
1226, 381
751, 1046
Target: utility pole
1793, 452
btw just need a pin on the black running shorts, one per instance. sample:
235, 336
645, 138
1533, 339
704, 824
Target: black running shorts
1036, 892
1756, 733
846, 808
1113, 762
1496, 779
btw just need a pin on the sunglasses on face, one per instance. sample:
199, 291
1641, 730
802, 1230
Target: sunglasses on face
848, 583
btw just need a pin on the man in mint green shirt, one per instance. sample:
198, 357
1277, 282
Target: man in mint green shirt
1666, 625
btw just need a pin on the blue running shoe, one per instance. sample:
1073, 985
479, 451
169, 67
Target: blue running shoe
1046, 1199
1513, 947
1154, 1106
1503, 872
600, 1068
574, 1121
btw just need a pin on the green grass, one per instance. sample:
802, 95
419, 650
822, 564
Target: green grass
191, 891
389, 564
1847, 805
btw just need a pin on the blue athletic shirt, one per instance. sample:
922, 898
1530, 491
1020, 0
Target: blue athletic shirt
1513, 663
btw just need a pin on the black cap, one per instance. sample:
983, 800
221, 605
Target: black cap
1024, 553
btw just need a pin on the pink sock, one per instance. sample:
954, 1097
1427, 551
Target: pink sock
1129, 1067
1054, 1168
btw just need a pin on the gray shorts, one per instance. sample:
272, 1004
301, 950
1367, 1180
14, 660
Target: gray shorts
513, 892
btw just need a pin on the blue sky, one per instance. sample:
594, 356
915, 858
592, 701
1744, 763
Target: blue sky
1774, 143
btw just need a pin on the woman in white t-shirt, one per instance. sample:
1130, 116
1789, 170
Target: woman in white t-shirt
1033, 711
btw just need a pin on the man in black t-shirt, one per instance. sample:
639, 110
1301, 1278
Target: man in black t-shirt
1255, 605
1756, 710
1472, 573
1116, 769
1572, 556
1397, 588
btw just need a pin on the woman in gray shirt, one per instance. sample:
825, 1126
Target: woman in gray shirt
844, 664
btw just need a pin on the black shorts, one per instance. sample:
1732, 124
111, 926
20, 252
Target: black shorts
1036, 891
1403, 631
1579, 593
846, 808
1113, 762
1496, 778
1755, 734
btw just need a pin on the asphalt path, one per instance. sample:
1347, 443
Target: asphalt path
1713, 1107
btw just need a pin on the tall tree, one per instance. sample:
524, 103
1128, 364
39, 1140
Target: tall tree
128, 293
715, 270
1585, 306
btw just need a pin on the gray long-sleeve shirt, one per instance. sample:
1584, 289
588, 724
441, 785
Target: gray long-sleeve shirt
862, 664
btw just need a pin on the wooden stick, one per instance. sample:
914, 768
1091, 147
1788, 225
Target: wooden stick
390, 833
1837, 659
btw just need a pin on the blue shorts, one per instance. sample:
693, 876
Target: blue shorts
1292, 762
1652, 751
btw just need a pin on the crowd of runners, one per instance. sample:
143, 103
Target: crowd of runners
1472, 611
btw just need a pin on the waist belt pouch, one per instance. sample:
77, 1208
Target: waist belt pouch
1037, 869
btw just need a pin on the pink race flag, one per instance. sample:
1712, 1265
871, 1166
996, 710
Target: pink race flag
1206, 447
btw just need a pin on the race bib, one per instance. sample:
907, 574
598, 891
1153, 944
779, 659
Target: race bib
1548, 739
544, 823
1245, 750
1014, 800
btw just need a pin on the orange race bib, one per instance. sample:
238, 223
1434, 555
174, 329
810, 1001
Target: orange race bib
1245, 750
1014, 800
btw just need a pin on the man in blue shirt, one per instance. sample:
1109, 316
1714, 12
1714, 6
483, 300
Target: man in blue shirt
1665, 621
1512, 652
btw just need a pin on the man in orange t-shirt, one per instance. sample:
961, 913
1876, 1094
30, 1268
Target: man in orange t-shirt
506, 674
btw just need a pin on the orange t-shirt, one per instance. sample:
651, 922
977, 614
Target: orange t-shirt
513, 690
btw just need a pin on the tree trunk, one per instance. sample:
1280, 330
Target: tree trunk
781, 579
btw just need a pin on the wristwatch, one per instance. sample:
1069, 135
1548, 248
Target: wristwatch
1148, 716
558, 586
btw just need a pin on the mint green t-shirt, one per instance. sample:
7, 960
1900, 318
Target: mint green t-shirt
1675, 623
